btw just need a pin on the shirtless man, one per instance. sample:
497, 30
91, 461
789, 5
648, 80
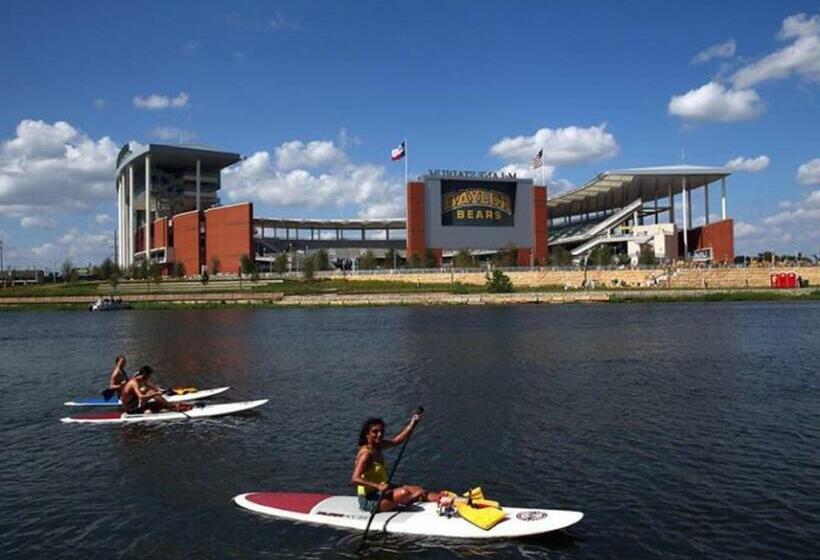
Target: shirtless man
140, 394
118, 378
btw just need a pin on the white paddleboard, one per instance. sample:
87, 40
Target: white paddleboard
418, 519
199, 411
185, 397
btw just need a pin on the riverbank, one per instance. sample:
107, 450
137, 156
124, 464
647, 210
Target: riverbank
280, 299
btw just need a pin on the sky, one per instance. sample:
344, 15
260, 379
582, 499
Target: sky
314, 95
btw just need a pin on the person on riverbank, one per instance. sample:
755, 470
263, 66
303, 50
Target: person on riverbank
141, 395
370, 471
117, 379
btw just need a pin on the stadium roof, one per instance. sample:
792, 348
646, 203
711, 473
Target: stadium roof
617, 188
176, 157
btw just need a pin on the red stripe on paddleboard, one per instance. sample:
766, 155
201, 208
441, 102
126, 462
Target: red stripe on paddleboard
289, 501
110, 415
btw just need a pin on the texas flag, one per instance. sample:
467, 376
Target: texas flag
398, 152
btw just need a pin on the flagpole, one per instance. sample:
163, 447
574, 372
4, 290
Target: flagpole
406, 157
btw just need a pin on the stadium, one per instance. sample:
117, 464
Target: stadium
170, 213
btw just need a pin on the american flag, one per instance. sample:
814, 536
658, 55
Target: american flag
538, 159
398, 152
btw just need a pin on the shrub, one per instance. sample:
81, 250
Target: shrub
458, 288
463, 259
391, 258
367, 261
560, 256
507, 257
430, 259
308, 266
216, 265
647, 255
322, 260
178, 270
498, 282
280, 265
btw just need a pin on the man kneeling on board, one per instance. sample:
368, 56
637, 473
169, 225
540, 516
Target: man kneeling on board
137, 399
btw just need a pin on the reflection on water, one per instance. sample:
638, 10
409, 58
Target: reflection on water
681, 430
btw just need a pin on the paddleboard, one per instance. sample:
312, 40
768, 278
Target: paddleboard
417, 519
199, 411
193, 396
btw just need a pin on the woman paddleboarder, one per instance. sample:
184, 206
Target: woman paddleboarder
370, 471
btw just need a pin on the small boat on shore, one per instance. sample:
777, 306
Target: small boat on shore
109, 304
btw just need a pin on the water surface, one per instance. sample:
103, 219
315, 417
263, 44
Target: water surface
681, 430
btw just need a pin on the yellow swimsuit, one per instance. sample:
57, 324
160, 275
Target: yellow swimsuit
376, 473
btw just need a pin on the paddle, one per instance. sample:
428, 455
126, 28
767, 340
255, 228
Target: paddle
389, 479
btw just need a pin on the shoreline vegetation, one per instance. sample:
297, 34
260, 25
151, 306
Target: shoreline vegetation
333, 292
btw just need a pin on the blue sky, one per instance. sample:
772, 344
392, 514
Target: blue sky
315, 94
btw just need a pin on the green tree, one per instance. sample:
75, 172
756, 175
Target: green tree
559, 256
601, 255
430, 259
647, 256
507, 257
416, 261
178, 270
204, 277
280, 264
498, 282
463, 259
154, 272
216, 266
367, 261
391, 258
322, 260
106, 269
246, 265
308, 266
69, 272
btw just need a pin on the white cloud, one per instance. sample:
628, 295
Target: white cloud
751, 165
278, 22
809, 172
713, 102
103, 219
99, 103
79, 247
795, 227
191, 45
363, 185
347, 140
722, 50
54, 168
801, 57
297, 154
172, 133
562, 146
156, 101
38, 222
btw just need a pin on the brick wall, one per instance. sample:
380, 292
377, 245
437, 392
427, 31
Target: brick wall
415, 220
539, 225
718, 235
187, 247
229, 235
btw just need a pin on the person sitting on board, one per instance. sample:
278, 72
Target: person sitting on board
137, 399
118, 378
370, 472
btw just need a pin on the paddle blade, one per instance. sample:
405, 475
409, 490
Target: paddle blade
108, 393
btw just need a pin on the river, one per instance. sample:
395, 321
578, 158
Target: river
683, 430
